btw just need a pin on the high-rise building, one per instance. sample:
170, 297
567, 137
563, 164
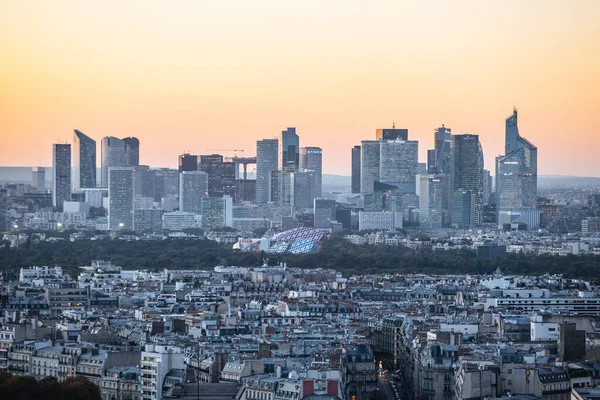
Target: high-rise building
221, 175
289, 160
302, 189
121, 198
325, 213
193, 186
166, 184
487, 186
391, 134
356, 169
439, 158
217, 212
516, 172
398, 164
433, 200
369, 165
143, 181
467, 169
3, 210
38, 178
84, 161
463, 209
118, 153
61, 175
188, 162
266, 161
311, 158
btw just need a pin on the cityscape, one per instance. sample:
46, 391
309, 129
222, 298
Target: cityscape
262, 265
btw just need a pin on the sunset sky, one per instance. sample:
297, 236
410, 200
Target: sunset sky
199, 75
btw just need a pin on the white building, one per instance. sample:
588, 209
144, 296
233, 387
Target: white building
379, 220
157, 362
177, 220
45, 272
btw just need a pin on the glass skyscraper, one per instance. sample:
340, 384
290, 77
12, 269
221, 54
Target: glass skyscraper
266, 161
311, 158
398, 164
516, 171
119, 153
369, 165
121, 198
84, 161
356, 169
289, 161
61, 175
467, 170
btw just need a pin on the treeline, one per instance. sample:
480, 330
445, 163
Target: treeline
28, 388
336, 253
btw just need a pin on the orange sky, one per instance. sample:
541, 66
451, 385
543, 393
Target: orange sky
197, 75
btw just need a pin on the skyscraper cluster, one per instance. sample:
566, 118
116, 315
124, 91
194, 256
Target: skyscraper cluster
455, 188
287, 174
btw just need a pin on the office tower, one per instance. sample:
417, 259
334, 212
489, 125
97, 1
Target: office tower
84, 161
221, 175
487, 186
266, 161
188, 162
516, 171
275, 186
325, 213
289, 159
398, 164
302, 189
121, 198
166, 184
356, 169
311, 158
193, 185
217, 212
38, 179
391, 134
467, 169
143, 181
433, 200
61, 175
118, 153
369, 165
442, 138
3, 210
464, 209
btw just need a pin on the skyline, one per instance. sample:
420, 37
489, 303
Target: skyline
176, 71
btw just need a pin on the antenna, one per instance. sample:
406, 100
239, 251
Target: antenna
393, 124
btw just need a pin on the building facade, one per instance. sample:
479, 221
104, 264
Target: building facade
61, 175
84, 161
118, 153
311, 158
266, 162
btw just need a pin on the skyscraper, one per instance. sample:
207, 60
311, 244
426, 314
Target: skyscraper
188, 162
61, 175
369, 165
289, 160
391, 134
463, 209
221, 175
84, 161
3, 210
266, 161
467, 169
217, 212
356, 169
118, 153
398, 164
302, 189
516, 172
121, 198
439, 157
311, 158
193, 185
38, 178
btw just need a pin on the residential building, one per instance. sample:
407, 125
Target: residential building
359, 375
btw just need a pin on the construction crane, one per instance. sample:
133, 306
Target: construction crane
234, 150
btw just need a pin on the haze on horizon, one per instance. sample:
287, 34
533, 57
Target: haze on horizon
198, 75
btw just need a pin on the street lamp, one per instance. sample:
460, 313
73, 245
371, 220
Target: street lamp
59, 225
121, 225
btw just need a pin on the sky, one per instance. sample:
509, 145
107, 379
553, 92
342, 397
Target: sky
193, 76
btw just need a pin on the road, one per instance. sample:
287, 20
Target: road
386, 388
